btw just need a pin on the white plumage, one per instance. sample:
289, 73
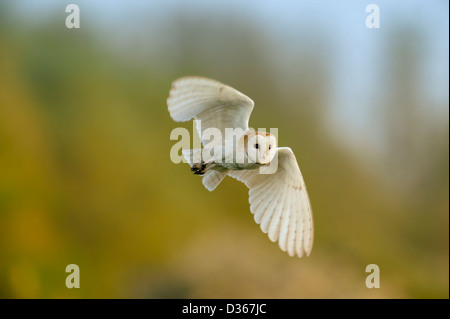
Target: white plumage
278, 201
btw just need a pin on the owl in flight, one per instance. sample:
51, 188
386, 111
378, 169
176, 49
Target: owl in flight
279, 201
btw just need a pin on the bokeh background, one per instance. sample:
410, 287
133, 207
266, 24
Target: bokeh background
85, 173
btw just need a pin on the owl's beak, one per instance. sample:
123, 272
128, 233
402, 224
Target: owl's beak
264, 158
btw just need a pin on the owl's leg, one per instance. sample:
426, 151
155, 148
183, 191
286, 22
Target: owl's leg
200, 168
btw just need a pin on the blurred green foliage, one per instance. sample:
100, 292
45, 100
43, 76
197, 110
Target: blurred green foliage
86, 178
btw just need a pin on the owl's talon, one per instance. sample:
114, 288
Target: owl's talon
199, 168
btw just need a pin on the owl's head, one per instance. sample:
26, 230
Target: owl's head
261, 147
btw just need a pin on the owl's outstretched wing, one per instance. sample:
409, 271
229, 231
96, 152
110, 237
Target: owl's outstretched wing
217, 105
280, 203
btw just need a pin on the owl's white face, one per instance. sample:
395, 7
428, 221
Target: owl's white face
261, 147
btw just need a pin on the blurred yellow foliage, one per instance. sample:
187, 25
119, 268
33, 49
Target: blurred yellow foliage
86, 178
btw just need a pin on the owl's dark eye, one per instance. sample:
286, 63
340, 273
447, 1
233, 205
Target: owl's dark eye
256, 145
270, 146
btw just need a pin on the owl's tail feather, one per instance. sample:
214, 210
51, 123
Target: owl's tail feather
212, 179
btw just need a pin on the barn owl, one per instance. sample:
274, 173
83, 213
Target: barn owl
278, 201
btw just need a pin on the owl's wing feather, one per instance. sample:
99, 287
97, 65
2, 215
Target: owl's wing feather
280, 204
217, 105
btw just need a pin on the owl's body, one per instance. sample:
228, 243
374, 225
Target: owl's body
279, 200
229, 154
237, 166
